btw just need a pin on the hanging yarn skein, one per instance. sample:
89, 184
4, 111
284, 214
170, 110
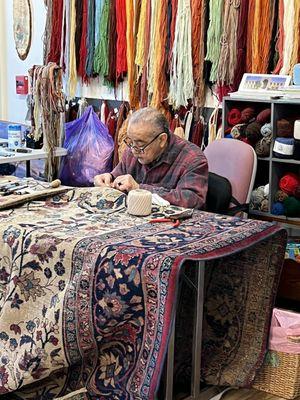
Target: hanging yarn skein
261, 35
140, 43
280, 37
130, 40
121, 63
250, 23
198, 9
288, 26
90, 40
159, 67
214, 33
83, 42
152, 44
72, 83
49, 107
228, 54
101, 48
241, 44
296, 34
181, 74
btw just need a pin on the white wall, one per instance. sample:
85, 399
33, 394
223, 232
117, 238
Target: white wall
3, 86
16, 104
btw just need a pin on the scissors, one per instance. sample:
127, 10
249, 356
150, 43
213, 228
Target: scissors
175, 222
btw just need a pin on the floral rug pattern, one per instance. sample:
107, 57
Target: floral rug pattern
87, 292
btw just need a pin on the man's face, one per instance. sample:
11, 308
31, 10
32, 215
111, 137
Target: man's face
144, 135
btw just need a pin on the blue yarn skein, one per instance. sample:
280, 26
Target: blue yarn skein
278, 208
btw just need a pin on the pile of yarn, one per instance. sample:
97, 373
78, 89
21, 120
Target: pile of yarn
287, 198
251, 127
260, 198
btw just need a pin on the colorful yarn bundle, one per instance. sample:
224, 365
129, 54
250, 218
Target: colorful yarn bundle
159, 46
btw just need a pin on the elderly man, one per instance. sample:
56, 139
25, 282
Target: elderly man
159, 161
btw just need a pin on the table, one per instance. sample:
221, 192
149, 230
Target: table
33, 154
88, 295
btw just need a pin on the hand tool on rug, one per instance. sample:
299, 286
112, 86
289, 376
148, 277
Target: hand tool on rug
175, 222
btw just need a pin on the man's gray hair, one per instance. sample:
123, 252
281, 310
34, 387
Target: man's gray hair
153, 116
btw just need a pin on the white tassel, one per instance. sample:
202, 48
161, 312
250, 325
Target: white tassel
102, 112
288, 26
181, 75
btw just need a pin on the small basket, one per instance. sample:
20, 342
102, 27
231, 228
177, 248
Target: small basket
279, 375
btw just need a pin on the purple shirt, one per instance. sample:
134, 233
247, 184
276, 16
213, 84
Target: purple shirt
179, 175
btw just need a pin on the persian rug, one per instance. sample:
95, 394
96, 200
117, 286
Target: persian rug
87, 295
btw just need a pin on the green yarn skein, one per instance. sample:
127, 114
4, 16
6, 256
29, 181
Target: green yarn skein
292, 207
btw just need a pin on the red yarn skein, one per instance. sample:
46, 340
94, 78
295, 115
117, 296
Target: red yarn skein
289, 182
247, 114
234, 117
264, 116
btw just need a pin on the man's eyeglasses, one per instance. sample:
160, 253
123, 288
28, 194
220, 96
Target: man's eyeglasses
140, 150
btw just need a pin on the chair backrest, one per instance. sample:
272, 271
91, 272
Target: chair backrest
236, 161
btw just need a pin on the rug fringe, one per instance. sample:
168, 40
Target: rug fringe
70, 395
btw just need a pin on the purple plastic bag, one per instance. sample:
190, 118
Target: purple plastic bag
90, 148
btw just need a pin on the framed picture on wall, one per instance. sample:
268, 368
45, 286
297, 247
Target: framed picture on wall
22, 25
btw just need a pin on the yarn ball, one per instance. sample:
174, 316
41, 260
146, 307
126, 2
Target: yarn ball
228, 136
247, 114
264, 206
278, 209
234, 116
252, 132
264, 116
266, 190
262, 148
266, 130
257, 196
238, 130
289, 182
292, 207
297, 192
285, 128
280, 196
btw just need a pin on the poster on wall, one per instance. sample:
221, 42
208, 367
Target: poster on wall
22, 27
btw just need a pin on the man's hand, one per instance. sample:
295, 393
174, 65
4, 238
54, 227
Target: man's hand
125, 183
103, 180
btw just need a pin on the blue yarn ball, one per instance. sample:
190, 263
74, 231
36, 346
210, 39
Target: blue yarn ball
278, 208
228, 136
